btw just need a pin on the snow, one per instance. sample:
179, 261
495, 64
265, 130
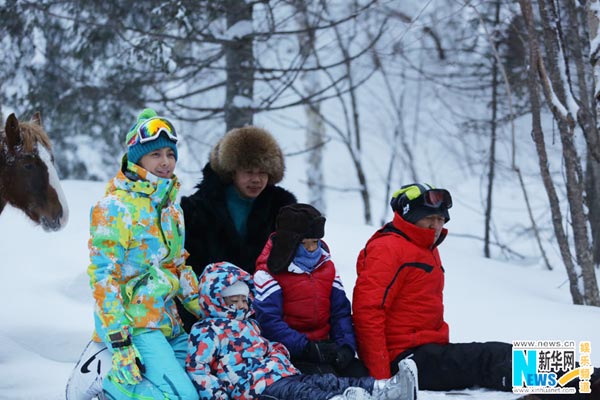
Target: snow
238, 30
242, 101
46, 302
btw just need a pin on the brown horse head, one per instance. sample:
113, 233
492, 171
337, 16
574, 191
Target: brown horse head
28, 178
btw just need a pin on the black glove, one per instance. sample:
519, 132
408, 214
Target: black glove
320, 352
344, 354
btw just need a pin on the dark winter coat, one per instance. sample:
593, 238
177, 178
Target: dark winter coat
398, 296
210, 232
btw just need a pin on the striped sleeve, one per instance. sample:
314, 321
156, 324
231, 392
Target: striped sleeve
269, 313
342, 329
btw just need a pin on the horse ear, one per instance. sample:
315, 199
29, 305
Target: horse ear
37, 118
13, 132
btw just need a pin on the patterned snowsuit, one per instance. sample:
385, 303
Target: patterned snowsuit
138, 260
229, 359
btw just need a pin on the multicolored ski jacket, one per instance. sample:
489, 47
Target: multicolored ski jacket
295, 306
137, 259
398, 300
227, 356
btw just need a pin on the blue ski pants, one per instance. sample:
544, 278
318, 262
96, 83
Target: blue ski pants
165, 376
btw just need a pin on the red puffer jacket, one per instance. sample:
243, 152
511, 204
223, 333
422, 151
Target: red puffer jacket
398, 296
308, 314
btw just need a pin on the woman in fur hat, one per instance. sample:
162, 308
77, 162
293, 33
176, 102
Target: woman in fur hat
231, 215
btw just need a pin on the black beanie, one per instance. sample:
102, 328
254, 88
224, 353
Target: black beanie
294, 223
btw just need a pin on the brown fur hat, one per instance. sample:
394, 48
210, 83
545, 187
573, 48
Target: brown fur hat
247, 147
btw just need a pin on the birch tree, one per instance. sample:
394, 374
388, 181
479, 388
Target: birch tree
591, 112
315, 128
239, 61
552, 74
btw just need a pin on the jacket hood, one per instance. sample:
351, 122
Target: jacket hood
213, 280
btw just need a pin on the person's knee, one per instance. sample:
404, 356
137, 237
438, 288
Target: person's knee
185, 390
189, 393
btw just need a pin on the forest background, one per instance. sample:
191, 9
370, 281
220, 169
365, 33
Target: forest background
364, 96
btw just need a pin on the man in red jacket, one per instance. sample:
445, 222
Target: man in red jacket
398, 305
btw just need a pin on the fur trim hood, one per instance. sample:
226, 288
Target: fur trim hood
247, 147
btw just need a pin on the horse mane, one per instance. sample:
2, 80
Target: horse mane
33, 133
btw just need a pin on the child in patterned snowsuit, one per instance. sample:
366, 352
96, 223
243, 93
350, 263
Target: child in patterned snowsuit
138, 266
229, 359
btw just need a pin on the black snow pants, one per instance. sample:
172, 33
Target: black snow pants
313, 387
355, 369
461, 365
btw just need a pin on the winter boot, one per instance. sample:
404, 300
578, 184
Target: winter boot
353, 393
85, 382
402, 386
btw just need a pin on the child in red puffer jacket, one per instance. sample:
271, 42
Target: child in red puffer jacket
301, 301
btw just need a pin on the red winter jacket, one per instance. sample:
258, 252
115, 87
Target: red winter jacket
307, 314
294, 307
398, 301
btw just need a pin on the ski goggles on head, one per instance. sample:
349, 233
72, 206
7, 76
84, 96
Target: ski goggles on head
418, 194
435, 198
151, 129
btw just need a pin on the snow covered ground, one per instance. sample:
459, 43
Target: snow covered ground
46, 306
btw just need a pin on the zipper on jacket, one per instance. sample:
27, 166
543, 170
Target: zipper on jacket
159, 212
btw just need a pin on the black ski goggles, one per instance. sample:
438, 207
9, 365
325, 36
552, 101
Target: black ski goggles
436, 198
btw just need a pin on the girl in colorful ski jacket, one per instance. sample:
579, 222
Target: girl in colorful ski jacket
301, 301
138, 267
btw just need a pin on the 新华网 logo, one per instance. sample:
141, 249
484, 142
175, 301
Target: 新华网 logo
548, 366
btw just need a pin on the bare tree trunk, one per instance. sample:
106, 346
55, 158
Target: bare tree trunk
591, 116
315, 138
239, 58
492, 159
514, 165
363, 188
537, 70
561, 86
594, 32
399, 142
356, 144
592, 188
352, 138
315, 128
